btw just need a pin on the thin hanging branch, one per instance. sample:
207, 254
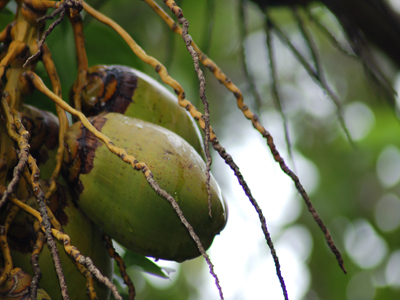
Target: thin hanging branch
22, 138
121, 265
174, 204
211, 13
229, 161
41, 239
75, 6
23, 142
334, 41
202, 91
275, 90
40, 196
249, 77
70, 249
5, 250
316, 72
385, 23
86, 261
320, 71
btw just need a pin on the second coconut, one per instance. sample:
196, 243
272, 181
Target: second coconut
120, 200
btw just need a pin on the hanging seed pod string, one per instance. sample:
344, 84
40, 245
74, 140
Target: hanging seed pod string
35, 177
8, 263
74, 6
256, 124
41, 239
275, 90
89, 281
38, 84
24, 157
316, 75
249, 76
14, 49
38, 248
250, 79
23, 142
313, 73
50, 241
121, 265
188, 40
10, 217
202, 90
35, 254
71, 250
62, 117
103, 279
7, 256
329, 35
83, 65
370, 66
320, 72
229, 161
52, 218
311, 208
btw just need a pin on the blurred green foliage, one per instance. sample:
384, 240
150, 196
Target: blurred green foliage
349, 188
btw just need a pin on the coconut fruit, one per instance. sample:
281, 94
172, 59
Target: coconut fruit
120, 200
132, 93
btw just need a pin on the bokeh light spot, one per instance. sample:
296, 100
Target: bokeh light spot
314, 99
392, 271
297, 238
395, 4
388, 166
359, 119
361, 287
365, 247
387, 213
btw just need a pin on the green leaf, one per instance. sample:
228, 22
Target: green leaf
146, 264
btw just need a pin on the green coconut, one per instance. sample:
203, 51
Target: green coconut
132, 93
120, 200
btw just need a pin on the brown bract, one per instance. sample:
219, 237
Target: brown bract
43, 128
108, 89
80, 147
